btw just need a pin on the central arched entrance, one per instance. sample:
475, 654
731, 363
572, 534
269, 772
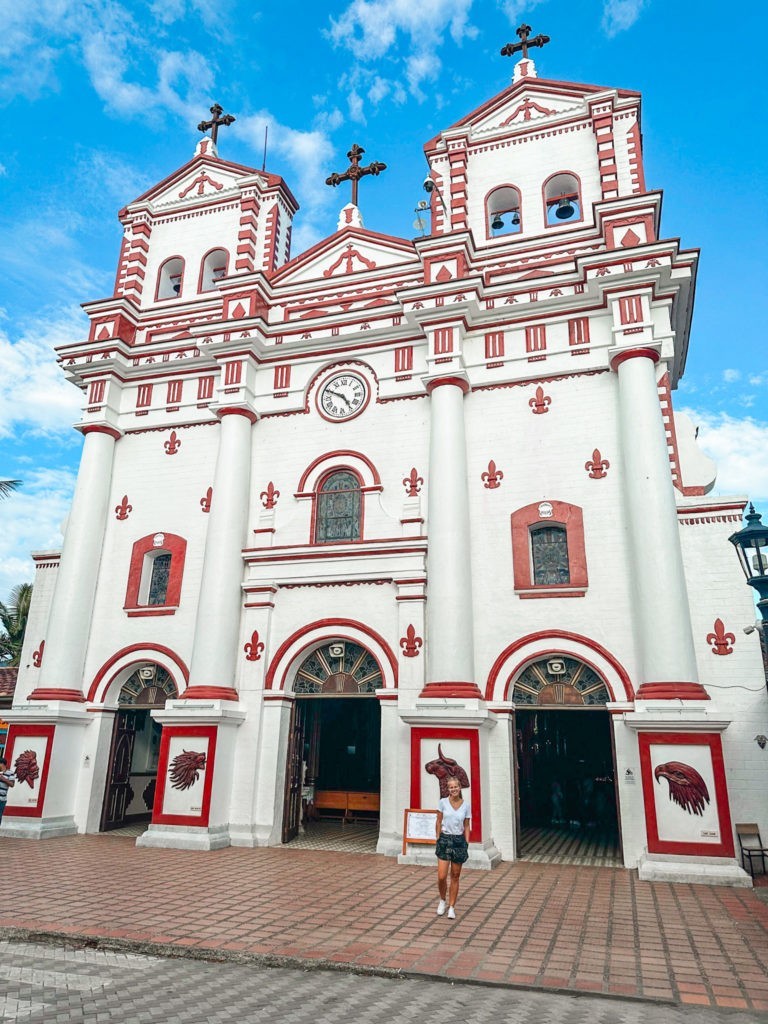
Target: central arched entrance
566, 792
334, 751
135, 747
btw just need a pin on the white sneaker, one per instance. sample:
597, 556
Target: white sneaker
441, 908
451, 914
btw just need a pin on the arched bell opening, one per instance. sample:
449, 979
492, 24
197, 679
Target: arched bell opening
566, 803
333, 776
132, 770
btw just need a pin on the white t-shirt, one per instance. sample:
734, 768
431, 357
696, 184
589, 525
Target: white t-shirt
453, 817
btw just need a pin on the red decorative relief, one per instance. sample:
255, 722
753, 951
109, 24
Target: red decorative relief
413, 483
200, 181
26, 768
597, 465
173, 444
493, 477
686, 787
721, 641
185, 769
254, 647
270, 496
411, 643
445, 768
37, 657
205, 503
347, 258
123, 510
540, 402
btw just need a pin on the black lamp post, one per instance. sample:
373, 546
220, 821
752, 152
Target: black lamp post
751, 545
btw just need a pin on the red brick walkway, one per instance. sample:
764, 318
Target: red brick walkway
540, 925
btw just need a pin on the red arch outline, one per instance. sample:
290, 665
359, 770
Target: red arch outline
579, 197
559, 634
133, 649
325, 624
339, 454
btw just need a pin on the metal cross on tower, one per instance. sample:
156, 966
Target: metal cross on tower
523, 32
354, 172
215, 122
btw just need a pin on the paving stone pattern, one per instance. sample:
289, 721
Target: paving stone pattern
544, 926
40, 984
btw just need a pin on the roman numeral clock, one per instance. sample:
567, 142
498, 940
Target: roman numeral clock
342, 396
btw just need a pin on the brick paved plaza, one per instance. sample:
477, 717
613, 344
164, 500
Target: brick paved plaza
542, 926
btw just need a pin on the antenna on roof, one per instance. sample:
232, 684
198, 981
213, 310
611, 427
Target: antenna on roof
266, 134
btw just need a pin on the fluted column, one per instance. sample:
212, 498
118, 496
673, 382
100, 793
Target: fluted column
660, 597
217, 629
66, 637
450, 653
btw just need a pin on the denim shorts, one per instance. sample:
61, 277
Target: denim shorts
452, 848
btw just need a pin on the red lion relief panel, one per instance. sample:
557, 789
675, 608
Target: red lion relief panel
686, 787
446, 768
186, 768
26, 768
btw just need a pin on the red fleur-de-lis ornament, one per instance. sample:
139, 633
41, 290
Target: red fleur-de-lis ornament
254, 647
492, 477
270, 496
597, 465
411, 643
720, 640
173, 444
205, 502
540, 402
413, 483
123, 510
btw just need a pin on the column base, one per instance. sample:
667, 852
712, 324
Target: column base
389, 845
660, 867
451, 688
182, 837
481, 858
671, 691
39, 828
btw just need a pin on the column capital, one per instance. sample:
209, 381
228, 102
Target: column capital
99, 428
235, 410
671, 691
456, 380
621, 355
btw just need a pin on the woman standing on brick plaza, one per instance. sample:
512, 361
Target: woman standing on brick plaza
452, 850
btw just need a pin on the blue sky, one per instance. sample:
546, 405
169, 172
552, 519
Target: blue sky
101, 99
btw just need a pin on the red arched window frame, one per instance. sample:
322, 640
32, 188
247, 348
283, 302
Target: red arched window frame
140, 571
315, 504
160, 279
201, 275
504, 208
574, 192
524, 521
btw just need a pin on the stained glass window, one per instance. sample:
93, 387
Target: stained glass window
560, 681
339, 667
549, 555
339, 503
158, 582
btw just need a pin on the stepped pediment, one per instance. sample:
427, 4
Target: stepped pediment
349, 253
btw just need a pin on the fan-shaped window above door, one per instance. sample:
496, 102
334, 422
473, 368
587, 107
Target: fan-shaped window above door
559, 681
338, 668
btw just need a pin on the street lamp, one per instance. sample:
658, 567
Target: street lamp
751, 545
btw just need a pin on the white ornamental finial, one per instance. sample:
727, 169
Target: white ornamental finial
350, 217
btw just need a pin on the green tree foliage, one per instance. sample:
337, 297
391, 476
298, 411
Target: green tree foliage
13, 624
8, 486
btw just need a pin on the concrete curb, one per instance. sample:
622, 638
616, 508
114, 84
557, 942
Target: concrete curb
272, 960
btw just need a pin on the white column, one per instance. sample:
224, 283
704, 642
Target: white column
660, 599
217, 628
450, 653
66, 638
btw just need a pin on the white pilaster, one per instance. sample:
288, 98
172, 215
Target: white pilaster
66, 639
450, 652
660, 603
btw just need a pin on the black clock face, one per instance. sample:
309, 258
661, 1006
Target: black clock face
342, 396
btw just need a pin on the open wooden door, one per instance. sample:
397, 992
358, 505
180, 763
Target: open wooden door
119, 793
294, 772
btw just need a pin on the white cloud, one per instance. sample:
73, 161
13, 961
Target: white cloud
31, 521
35, 396
739, 446
408, 34
516, 10
619, 15
731, 376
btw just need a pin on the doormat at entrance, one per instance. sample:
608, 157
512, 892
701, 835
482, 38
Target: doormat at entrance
588, 847
353, 837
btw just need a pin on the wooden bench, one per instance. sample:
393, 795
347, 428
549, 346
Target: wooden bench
346, 804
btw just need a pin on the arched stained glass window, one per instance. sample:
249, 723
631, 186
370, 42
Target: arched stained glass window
158, 581
339, 667
549, 555
339, 507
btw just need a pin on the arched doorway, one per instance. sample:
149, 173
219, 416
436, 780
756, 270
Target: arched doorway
133, 755
334, 750
566, 791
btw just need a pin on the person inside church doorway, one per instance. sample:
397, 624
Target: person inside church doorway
452, 849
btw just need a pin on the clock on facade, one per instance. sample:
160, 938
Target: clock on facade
342, 395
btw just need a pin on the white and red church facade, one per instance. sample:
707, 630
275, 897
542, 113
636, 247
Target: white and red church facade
392, 503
